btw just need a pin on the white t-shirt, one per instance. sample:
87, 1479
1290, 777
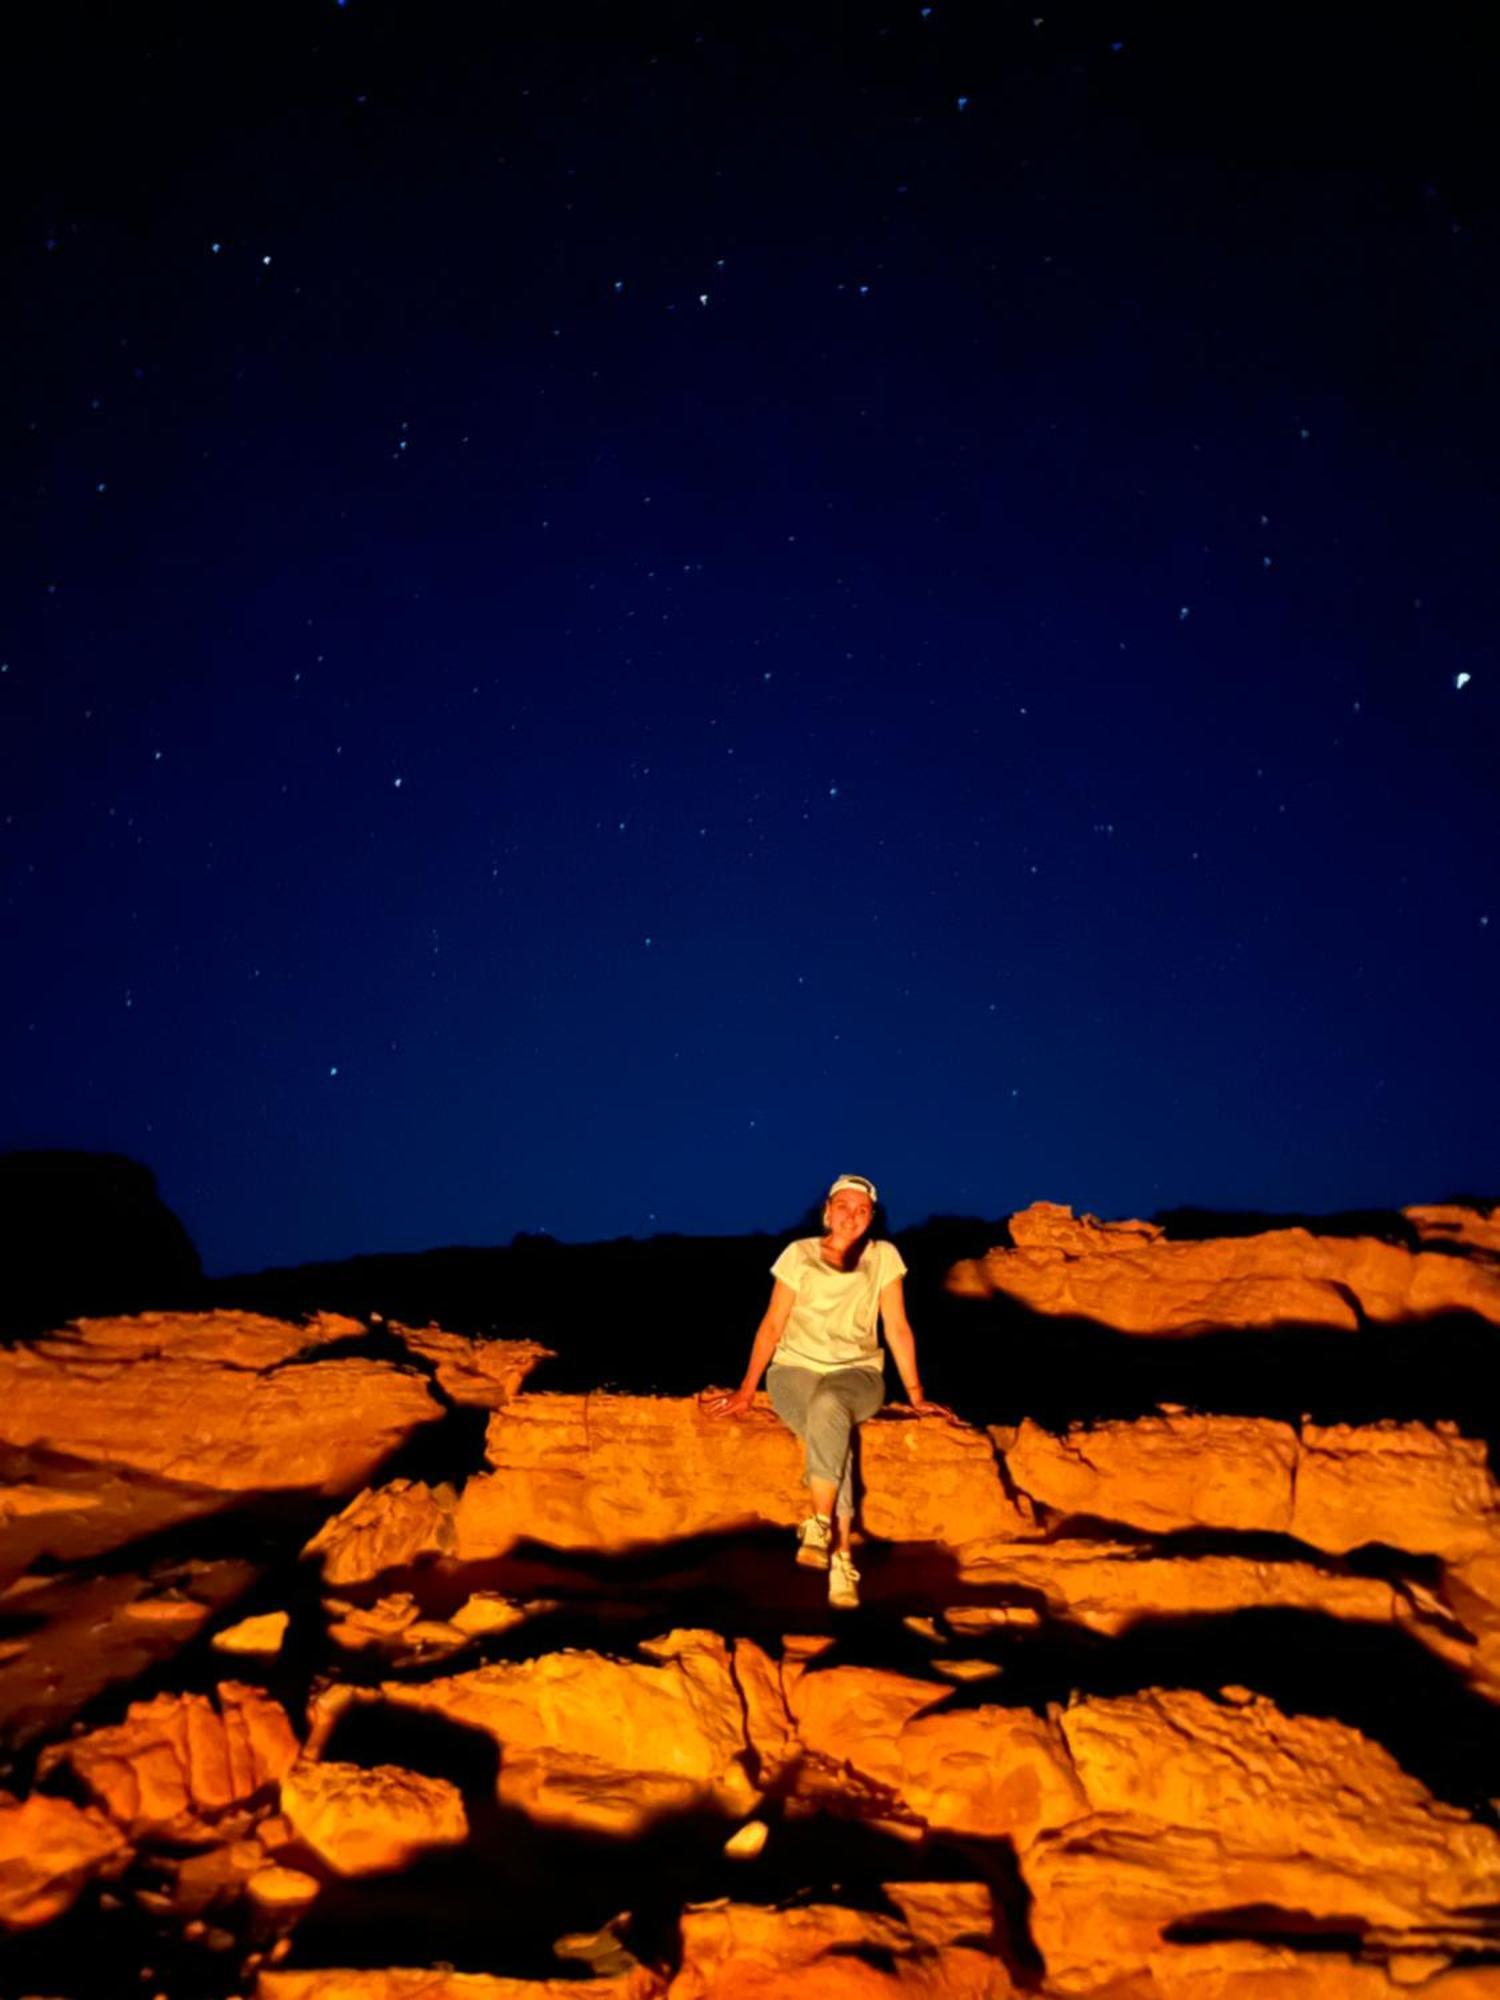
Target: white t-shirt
833, 1324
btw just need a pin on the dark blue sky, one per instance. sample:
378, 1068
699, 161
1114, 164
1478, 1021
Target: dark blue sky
606, 612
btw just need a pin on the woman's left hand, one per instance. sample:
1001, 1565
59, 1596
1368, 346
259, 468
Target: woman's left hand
924, 1408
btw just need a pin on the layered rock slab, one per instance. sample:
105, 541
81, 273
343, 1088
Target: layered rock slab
368, 1820
618, 1472
1131, 1276
49, 1848
1425, 1489
211, 1401
177, 1765
608, 1745
480, 1374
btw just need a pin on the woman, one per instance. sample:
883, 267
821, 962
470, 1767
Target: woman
826, 1371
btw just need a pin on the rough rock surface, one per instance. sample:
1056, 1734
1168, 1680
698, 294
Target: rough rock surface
210, 1400
1422, 1488
606, 1744
417, 1983
937, 1944
385, 1527
176, 1765
1130, 1276
48, 1849
366, 1820
617, 1472
481, 1373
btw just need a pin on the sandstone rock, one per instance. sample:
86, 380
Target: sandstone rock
938, 1946
617, 1472
261, 1635
243, 1340
486, 1612
176, 1765
933, 1479
415, 1983
1161, 1473
768, 1723
1199, 1809
366, 1821
1130, 1276
204, 1420
1461, 1228
480, 1373
278, 1888
1425, 1489
385, 1527
49, 1848
606, 1744
1109, 1586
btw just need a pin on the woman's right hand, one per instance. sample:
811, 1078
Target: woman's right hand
728, 1403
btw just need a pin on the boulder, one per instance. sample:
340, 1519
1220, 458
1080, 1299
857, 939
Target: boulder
482, 1374
1131, 1276
937, 1942
258, 1637
369, 1820
203, 1420
1233, 1817
176, 1765
383, 1528
49, 1848
604, 1744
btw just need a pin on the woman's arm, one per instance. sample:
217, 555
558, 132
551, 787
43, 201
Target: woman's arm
902, 1342
767, 1334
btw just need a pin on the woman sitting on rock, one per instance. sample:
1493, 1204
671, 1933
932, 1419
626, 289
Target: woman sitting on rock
826, 1372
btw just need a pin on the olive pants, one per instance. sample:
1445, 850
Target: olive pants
823, 1411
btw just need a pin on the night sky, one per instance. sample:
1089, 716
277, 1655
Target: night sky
609, 610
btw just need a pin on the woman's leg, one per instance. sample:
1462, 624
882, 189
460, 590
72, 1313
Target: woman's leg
838, 1402
790, 1391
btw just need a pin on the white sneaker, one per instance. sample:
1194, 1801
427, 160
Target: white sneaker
843, 1583
813, 1539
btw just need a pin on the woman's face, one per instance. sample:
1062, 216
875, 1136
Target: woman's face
849, 1214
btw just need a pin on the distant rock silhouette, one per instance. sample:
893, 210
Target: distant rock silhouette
88, 1233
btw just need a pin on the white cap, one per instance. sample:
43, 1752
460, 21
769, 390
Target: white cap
855, 1181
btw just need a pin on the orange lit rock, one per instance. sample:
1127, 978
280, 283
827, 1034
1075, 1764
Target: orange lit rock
855, 1716
992, 1773
1109, 1586
49, 1848
1422, 1488
1129, 1275
933, 1479
1202, 1807
606, 1744
385, 1527
939, 1946
176, 1765
768, 1722
365, 1821
279, 1888
1462, 1228
189, 1402
1161, 1473
259, 1635
418, 1983
1425, 1489
245, 1340
481, 1373
615, 1472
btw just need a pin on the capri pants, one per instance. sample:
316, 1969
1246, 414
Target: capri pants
823, 1410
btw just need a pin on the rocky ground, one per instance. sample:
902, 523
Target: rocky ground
342, 1659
